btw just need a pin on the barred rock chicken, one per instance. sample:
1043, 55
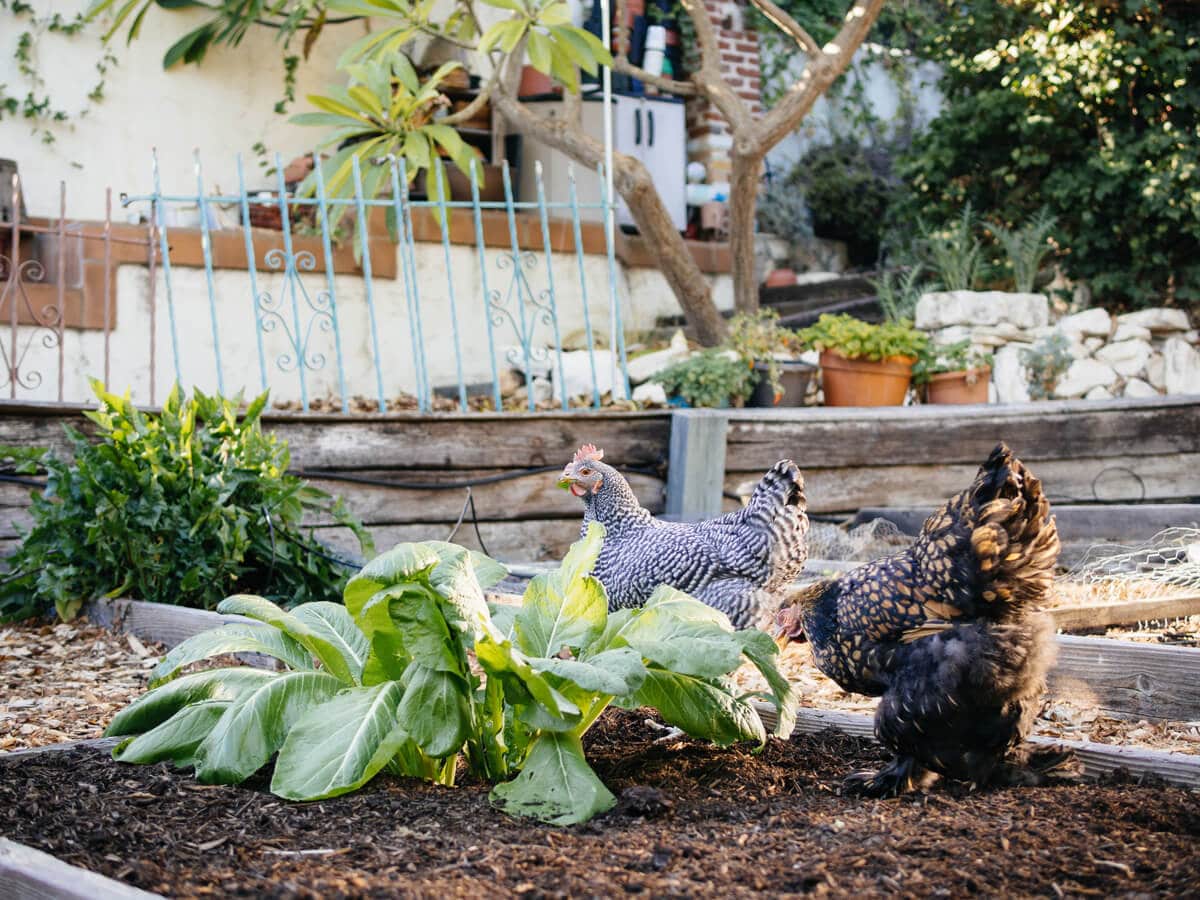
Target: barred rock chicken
735, 563
948, 634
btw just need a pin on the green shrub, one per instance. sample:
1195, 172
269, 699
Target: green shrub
758, 337
957, 357
184, 507
1090, 110
855, 339
386, 682
713, 378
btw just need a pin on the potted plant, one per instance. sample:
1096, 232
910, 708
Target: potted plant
772, 352
954, 373
714, 378
864, 364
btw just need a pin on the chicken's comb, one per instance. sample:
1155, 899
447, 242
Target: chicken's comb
588, 451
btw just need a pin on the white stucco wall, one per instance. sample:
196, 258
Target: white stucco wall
221, 108
644, 297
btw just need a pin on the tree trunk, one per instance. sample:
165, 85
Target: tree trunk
743, 200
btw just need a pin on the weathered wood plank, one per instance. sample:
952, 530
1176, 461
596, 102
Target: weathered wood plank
697, 464
1128, 678
99, 744
1167, 477
1035, 431
1087, 618
159, 622
1096, 759
28, 874
533, 540
530, 496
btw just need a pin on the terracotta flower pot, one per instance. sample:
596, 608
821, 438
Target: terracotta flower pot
780, 278
861, 382
536, 84
964, 386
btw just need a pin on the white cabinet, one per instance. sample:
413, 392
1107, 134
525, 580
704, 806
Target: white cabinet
651, 129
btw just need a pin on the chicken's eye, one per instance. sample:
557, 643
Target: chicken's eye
585, 471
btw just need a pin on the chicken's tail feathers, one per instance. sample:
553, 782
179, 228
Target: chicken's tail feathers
778, 505
1014, 538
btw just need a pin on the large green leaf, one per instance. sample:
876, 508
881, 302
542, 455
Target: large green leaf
256, 724
761, 650
683, 635
264, 610
581, 557
340, 745
551, 618
436, 711
404, 562
388, 658
156, 706
175, 739
556, 784
618, 672
500, 659
332, 622
700, 708
455, 580
233, 638
487, 571
424, 631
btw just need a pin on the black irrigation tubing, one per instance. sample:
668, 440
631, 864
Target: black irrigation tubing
323, 475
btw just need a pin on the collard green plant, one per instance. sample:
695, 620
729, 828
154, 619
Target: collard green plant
855, 339
712, 378
182, 507
385, 683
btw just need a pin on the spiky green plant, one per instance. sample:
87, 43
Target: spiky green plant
1026, 247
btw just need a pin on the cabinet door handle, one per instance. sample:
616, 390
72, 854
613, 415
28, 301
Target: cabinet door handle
650, 123
637, 126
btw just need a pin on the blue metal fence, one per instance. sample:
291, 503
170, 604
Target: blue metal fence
346, 335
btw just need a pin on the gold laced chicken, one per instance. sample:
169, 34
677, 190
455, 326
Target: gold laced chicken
949, 635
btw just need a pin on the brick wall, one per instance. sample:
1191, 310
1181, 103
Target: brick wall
708, 135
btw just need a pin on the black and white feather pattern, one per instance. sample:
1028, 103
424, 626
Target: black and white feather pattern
736, 563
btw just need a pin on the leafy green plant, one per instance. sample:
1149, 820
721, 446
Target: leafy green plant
956, 357
758, 338
182, 507
954, 253
1026, 247
855, 339
385, 682
784, 213
898, 292
1045, 362
712, 378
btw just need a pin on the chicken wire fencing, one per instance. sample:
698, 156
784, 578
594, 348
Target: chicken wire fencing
446, 299
1166, 565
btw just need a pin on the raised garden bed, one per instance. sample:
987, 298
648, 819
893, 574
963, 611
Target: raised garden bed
693, 820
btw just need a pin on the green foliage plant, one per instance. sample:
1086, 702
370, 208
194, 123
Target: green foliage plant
385, 682
898, 292
1046, 362
1026, 247
182, 507
957, 357
758, 338
954, 252
855, 339
1090, 110
711, 378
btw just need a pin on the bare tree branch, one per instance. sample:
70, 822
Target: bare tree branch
784, 22
622, 65
709, 80
469, 111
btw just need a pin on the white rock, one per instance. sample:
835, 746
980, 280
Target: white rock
1093, 344
812, 357
1078, 349
648, 364
1156, 371
1181, 363
937, 310
1090, 322
1009, 376
651, 392
540, 360
1099, 392
1127, 332
1127, 357
1158, 319
816, 277
577, 373
1082, 376
1135, 387
999, 334
952, 335
1192, 337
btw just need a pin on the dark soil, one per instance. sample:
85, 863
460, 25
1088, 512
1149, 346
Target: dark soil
693, 820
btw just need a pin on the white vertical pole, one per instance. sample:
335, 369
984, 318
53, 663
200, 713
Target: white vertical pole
606, 82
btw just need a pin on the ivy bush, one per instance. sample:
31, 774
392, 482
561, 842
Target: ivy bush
183, 507
386, 682
1087, 110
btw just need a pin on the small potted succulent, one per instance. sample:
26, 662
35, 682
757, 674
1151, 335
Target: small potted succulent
772, 352
954, 373
713, 378
864, 364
